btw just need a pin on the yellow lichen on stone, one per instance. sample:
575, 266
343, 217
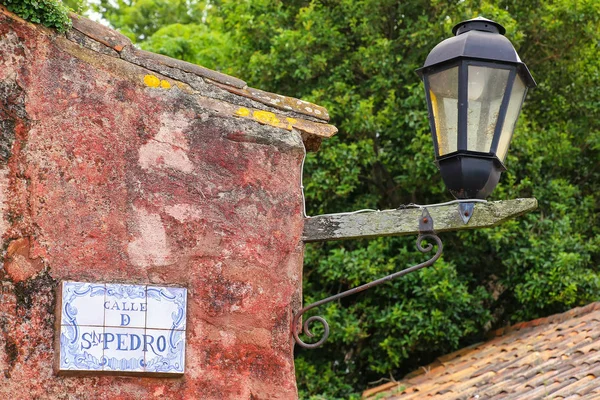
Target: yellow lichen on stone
266, 117
165, 85
242, 112
291, 122
151, 81
183, 87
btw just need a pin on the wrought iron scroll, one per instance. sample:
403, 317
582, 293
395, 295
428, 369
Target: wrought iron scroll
425, 232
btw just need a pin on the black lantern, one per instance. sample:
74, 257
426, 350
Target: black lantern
475, 85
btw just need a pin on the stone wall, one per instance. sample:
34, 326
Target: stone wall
118, 165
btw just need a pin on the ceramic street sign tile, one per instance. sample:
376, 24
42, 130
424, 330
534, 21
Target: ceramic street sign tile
159, 358
125, 305
81, 299
77, 353
124, 350
122, 328
168, 308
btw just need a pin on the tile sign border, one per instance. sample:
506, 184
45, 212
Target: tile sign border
120, 329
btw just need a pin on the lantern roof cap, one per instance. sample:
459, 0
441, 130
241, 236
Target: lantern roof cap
478, 39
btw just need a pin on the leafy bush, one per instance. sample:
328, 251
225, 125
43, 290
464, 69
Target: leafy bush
51, 13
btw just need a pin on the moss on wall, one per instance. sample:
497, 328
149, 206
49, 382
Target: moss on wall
51, 13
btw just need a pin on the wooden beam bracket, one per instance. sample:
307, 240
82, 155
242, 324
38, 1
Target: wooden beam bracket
405, 221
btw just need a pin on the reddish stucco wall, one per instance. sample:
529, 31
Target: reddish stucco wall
107, 176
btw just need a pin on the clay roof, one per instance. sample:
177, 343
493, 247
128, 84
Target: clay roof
264, 107
548, 358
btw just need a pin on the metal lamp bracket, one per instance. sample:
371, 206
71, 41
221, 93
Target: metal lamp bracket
425, 232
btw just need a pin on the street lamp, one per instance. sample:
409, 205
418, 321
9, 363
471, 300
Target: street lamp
475, 85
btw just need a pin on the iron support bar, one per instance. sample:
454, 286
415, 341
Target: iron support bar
425, 232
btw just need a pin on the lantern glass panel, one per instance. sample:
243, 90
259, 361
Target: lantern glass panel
517, 95
443, 95
485, 92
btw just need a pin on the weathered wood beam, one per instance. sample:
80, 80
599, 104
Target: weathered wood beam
406, 221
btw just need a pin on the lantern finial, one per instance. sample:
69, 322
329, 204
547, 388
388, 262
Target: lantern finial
478, 24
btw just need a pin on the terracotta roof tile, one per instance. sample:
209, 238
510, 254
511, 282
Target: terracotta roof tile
587, 386
556, 357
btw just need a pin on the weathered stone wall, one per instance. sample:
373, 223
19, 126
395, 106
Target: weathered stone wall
158, 174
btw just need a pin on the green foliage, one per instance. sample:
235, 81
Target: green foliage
51, 13
78, 6
357, 58
194, 43
139, 19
